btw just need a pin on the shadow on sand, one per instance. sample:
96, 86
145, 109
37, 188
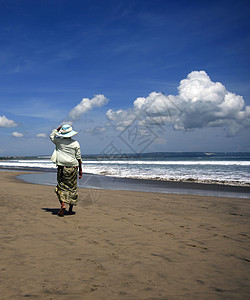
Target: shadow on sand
54, 211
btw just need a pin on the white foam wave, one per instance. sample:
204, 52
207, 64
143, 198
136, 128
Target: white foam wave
27, 164
47, 163
165, 163
200, 171
177, 174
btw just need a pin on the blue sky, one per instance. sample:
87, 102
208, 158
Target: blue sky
175, 71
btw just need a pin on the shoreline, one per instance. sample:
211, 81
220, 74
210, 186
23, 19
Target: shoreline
188, 182
217, 168
93, 181
127, 245
154, 179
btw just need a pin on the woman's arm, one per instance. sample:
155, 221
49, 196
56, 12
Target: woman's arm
53, 134
80, 168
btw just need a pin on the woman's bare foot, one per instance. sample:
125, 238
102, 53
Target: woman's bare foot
61, 212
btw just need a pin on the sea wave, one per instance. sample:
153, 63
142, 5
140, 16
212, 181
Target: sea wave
228, 172
46, 162
179, 162
27, 164
211, 177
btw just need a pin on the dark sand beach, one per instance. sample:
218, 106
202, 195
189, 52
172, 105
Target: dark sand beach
122, 245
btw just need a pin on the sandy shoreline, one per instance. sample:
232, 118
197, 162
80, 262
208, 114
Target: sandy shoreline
48, 177
127, 245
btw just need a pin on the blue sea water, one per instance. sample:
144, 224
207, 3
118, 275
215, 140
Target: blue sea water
223, 168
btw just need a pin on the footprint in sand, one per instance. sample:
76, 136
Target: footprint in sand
196, 246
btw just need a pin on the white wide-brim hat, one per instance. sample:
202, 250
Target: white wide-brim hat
66, 131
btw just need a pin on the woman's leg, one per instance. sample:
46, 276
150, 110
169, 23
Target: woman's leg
61, 211
71, 209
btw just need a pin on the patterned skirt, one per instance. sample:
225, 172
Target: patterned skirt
66, 189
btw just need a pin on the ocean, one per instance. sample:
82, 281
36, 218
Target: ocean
196, 173
216, 168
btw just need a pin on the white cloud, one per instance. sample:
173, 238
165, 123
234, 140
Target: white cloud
67, 122
4, 122
41, 135
200, 103
87, 104
121, 118
17, 134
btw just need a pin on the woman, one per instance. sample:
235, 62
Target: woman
68, 160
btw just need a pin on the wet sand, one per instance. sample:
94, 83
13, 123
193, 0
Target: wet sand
122, 245
144, 185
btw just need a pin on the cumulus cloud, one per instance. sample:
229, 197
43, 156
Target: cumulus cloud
4, 122
17, 134
41, 135
121, 118
87, 104
200, 103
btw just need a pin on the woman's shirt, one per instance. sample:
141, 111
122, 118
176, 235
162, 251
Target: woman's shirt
67, 150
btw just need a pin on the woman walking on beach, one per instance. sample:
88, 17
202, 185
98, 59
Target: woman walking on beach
68, 160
